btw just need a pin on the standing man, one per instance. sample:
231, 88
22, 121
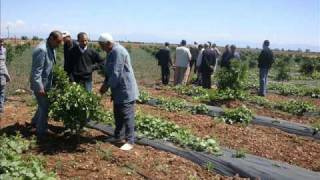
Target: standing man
4, 75
218, 54
83, 61
207, 66
67, 46
198, 63
229, 55
265, 62
194, 54
124, 89
165, 61
43, 59
182, 64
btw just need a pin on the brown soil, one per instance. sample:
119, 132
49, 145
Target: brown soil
90, 158
266, 142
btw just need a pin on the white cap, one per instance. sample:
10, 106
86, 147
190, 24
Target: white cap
105, 37
65, 34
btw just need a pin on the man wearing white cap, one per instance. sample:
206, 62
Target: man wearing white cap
68, 45
124, 89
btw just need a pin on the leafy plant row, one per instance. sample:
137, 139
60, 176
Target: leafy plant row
157, 128
16, 164
230, 116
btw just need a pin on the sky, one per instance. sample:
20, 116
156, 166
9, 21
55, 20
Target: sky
288, 24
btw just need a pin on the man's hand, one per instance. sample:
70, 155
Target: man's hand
103, 89
41, 93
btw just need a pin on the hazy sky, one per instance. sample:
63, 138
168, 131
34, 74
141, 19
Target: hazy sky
286, 23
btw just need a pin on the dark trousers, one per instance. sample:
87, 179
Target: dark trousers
124, 117
165, 74
206, 80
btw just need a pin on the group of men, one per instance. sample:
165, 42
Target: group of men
205, 58
79, 63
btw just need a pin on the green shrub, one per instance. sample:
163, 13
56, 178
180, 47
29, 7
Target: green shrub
283, 69
233, 77
72, 104
226, 95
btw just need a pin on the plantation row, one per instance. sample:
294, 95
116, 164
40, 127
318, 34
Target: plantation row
15, 163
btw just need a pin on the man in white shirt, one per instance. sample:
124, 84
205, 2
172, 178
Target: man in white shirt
182, 64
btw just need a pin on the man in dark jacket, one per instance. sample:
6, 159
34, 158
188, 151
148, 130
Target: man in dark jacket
67, 46
265, 62
165, 61
194, 55
83, 61
228, 55
207, 65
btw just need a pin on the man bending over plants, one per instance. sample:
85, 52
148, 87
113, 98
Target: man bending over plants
124, 89
43, 59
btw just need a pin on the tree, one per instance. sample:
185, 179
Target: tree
35, 38
24, 38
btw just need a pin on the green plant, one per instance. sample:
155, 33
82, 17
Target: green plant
238, 115
226, 94
199, 109
195, 91
73, 105
316, 127
296, 107
209, 166
143, 97
283, 71
240, 154
153, 127
15, 164
234, 77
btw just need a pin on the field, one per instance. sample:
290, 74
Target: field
294, 96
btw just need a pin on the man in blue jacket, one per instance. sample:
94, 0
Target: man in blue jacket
124, 89
43, 59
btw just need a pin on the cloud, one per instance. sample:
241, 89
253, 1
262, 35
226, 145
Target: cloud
17, 24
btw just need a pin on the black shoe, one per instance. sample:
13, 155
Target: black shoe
113, 140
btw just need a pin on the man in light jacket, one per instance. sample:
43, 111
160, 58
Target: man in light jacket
182, 64
124, 89
43, 59
4, 75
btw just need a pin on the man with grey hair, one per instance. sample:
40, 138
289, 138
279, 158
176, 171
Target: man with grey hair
43, 60
69, 43
124, 89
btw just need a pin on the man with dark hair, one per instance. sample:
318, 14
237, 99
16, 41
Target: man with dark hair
83, 61
228, 55
194, 55
265, 62
43, 59
182, 64
67, 46
207, 66
165, 61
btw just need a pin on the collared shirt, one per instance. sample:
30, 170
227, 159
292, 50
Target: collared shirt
83, 50
183, 56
